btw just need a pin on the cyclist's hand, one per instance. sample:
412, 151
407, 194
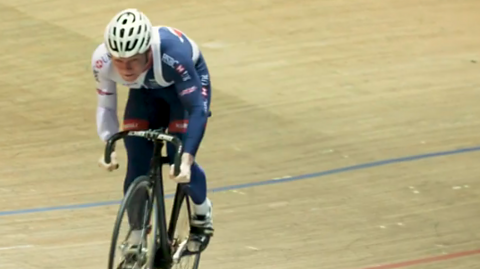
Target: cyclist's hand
185, 169
109, 166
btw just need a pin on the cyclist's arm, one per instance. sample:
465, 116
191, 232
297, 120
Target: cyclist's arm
189, 87
107, 119
106, 116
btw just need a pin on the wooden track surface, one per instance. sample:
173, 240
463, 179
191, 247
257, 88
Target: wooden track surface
299, 88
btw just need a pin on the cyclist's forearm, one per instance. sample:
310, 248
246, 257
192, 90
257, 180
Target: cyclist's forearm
107, 122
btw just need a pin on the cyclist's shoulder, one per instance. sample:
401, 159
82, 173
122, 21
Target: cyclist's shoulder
101, 60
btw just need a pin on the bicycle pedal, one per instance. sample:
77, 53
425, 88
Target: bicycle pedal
198, 242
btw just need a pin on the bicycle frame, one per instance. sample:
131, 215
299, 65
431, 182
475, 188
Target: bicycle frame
156, 179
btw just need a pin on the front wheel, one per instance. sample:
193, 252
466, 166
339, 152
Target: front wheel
136, 249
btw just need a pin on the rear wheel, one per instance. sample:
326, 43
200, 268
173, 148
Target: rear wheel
185, 245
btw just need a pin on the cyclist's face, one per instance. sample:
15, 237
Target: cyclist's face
130, 68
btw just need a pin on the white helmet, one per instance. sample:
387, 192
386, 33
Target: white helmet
128, 33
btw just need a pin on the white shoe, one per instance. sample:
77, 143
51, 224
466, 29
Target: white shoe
203, 222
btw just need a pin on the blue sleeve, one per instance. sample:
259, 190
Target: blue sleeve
188, 85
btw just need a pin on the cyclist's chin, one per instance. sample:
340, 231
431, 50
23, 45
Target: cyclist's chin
129, 77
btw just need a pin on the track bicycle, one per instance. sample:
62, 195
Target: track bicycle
166, 248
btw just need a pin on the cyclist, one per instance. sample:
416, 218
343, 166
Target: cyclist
169, 86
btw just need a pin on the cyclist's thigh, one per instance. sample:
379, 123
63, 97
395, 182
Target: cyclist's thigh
136, 112
139, 150
178, 126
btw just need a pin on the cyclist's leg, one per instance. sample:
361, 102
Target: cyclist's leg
197, 189
141, 113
